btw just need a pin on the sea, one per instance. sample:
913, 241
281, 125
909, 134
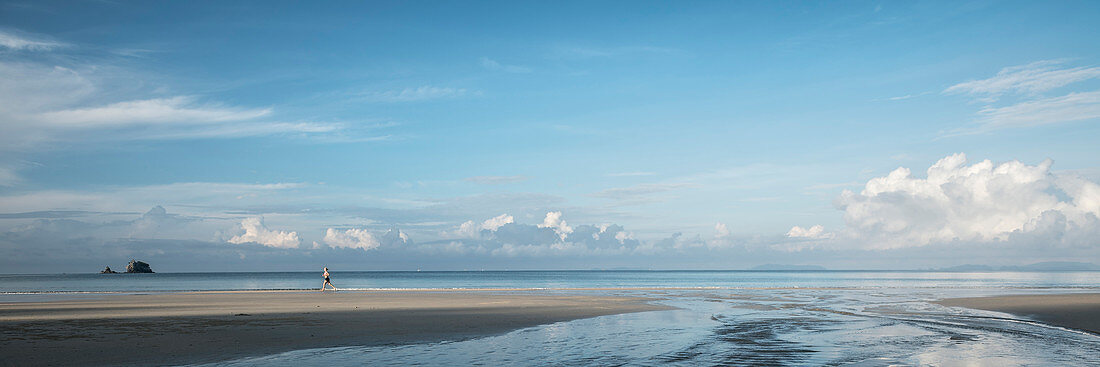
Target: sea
746, 318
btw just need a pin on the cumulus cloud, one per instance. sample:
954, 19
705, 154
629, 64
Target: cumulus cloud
158, 223
255, 231
494, 223
720, 230
351, 238
359, 238
469, 229
980, 202
814, 232
401, 235
537, 241
622, 236
501, 236
553, 221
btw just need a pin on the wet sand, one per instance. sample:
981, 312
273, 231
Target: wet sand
178, 328
1076, 311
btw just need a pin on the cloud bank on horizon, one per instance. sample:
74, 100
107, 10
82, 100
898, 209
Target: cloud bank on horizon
956, 205
962, 204
564, 143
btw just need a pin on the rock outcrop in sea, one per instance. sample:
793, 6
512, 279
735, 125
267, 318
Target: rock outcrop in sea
138, 267
108, 270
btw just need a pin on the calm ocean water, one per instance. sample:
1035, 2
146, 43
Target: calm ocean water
858, 318
160, 282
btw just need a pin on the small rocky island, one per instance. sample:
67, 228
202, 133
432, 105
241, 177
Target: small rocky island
108, 270
138, 267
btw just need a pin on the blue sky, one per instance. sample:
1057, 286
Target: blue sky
678, 135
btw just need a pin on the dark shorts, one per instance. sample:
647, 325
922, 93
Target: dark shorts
326, 279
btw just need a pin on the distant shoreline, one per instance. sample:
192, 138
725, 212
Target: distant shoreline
590, 271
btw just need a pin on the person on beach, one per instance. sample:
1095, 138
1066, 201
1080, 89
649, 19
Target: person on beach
327, 282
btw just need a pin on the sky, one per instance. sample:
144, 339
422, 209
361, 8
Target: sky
281, 136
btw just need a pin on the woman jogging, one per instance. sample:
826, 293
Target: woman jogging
327, 282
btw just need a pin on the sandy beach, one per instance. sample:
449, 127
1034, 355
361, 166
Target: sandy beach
1076, 311
175, 328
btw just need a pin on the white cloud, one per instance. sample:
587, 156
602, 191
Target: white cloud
1068, 108
321, 132
42, 103
352, 238
469, 229
602, 229
27, 87
622, 236
1031, 108
24, 42
256, 231
1036, 77
814, 232
963, 203
490, 64
173, 110
422, 93
494, 223
553, 220
720, 230
553, 237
